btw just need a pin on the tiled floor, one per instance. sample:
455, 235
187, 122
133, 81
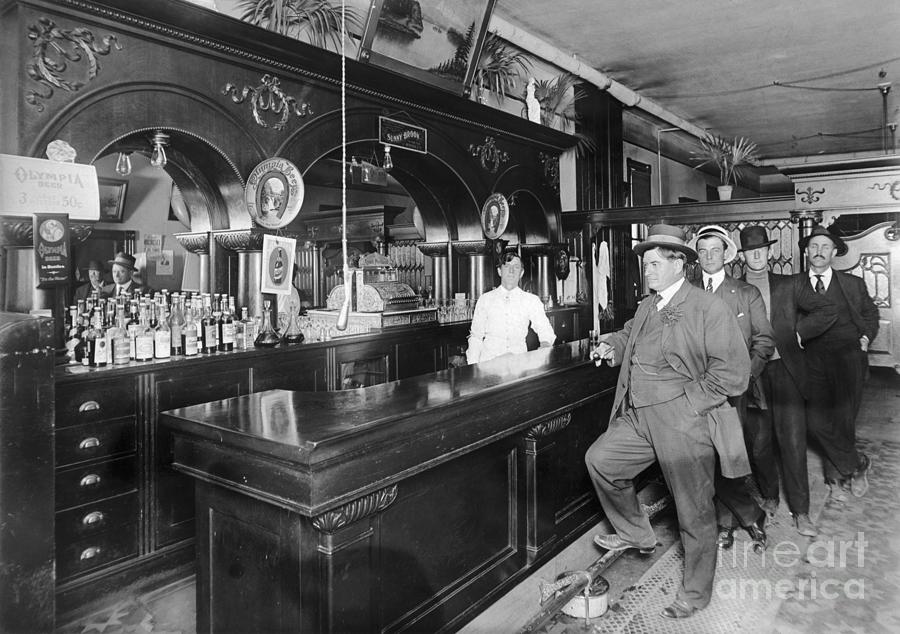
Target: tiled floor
860, 595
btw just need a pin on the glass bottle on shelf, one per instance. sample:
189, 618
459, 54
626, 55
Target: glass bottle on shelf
143, 337
162, 336
176, 326
189, 333
251, 329
209, 328
121, 346
267, 337
226, 325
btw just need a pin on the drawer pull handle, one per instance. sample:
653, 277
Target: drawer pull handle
89, 443
94, 517
89, 553
91, 479
89, 406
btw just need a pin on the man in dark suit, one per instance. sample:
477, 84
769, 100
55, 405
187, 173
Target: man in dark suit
95, 271
838, 362
123, 269
798, 315
735, 498
682, 355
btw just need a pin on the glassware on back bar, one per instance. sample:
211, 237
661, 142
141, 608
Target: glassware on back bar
267, 337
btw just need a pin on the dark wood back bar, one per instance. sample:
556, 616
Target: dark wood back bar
405, 506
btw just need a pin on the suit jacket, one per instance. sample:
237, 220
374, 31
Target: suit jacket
702, 341
747, 304
863, 311
84, 291
797, 309
110, 289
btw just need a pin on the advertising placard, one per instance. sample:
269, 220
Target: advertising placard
52, 252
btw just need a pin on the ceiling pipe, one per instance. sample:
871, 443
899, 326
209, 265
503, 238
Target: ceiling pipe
555, 56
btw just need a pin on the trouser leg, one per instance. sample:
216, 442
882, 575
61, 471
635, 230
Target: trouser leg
835, 388
789, 419
688, 461
734, 501
613, 460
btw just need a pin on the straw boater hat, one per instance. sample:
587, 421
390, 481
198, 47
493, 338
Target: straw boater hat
667, 237
819, 230
754, 237
124, 259
715, 231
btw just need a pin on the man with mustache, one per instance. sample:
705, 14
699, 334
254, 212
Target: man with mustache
838, 362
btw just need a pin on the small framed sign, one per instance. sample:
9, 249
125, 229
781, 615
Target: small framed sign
274, 193
277, 264
403, 135
51, 249
112, 198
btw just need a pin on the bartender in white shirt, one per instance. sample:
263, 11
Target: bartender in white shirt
502, 316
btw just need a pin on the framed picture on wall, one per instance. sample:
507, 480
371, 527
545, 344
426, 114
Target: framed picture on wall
434, 41
112, 198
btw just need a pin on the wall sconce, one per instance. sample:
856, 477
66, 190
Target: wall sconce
388, 163
123, 164
158, 157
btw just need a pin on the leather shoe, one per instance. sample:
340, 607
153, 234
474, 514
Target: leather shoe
725, 539
804, 525
837, 490
757, 535
859, 482
616, 543
678, 610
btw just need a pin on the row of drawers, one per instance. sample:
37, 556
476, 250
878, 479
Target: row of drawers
97, 503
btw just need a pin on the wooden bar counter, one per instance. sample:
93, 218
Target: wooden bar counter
410, 505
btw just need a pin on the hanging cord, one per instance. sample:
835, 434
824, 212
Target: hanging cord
344, 315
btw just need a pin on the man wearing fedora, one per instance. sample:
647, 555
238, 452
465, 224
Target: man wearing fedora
681, 357
798, 315
123, 268
735, 497
95, 271
838, 362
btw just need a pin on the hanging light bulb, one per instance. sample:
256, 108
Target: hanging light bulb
123, 164
388, 163
158, 157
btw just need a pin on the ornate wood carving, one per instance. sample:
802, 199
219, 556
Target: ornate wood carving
240, 239
433, 249
810, 195
356, 510
54, 48
490, 156
875, 269
549, 427
472, 247
550, 166
266, 97
194, 242
892, 187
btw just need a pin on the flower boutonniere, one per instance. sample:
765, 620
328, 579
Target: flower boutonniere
670, 314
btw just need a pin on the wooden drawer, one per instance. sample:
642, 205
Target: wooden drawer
98, 517
90, 401
95, 440
91, 483
98, 550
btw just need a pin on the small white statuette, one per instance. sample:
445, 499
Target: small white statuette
532, 105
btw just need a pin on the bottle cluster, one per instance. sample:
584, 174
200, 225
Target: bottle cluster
118, 330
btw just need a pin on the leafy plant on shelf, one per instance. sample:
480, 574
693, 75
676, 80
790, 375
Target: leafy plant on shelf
316, 20
558, 97
498, 67
730, 156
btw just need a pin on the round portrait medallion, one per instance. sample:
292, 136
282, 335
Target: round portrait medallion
494, 216
274, 193
52, 230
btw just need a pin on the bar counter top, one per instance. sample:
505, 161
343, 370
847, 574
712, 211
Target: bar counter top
347, 443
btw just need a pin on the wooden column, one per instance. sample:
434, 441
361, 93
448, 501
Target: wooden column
247, 244
440, 261
198, 243
477, 254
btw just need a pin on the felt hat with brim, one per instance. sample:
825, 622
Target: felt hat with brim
819, 230
666, 237
124, 259
95, 265
715, 231
754, 237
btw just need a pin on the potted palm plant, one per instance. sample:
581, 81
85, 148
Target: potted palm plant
318, 20
730, 156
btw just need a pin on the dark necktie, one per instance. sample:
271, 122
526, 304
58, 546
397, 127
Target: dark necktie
820, 286
709, 288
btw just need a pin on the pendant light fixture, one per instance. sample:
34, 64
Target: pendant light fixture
123, 164
388, 163
344, 315
158, 156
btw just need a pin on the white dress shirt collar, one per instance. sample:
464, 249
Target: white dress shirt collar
666, 294
717, 279
826, 277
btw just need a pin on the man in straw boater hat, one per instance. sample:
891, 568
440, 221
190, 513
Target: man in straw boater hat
736, 498
123, 268
798, 315
838, 362
681, 357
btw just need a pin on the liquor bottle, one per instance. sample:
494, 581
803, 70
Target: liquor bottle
162, 336
121, 344
226, 326
95, 342
208, 328
267, 337
250, 328
134, 323
176, 325
73, 335
189, 333
143, 339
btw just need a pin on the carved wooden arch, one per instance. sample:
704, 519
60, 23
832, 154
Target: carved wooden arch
447, 197
534, 207
210, 180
